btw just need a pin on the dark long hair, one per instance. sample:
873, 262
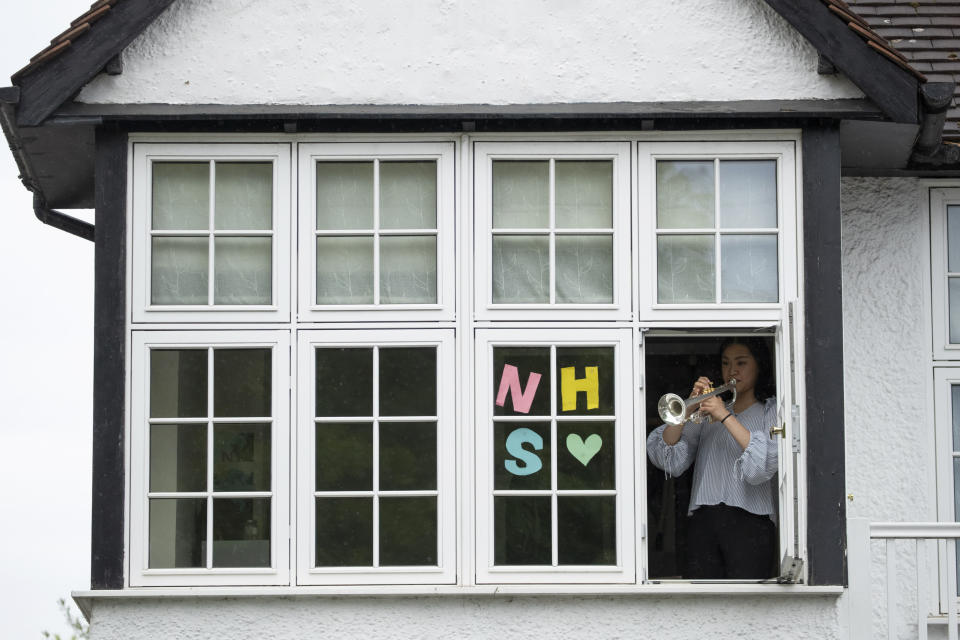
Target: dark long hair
766, 385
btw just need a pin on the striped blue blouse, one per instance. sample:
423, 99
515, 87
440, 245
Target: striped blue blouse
723, 472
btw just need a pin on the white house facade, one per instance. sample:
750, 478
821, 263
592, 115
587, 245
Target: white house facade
387, 295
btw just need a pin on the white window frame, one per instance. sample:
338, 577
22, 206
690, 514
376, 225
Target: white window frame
139, 217
788, 221
139, 434
309, 153
940, 199
445, 572
621, 339
485, 153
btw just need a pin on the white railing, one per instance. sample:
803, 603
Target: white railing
934, 572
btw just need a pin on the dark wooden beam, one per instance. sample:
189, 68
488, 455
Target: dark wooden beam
891, 87
48, 86
823, 347
109, 371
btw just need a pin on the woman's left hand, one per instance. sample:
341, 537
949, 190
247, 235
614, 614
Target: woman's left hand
715, 408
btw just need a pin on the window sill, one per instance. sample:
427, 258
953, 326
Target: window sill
85, 599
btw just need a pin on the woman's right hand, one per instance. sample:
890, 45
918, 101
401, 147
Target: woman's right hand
700, 386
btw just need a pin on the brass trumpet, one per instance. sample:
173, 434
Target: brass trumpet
673, 409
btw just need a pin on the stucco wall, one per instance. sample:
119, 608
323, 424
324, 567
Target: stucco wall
503, 618
466, 51
890, 464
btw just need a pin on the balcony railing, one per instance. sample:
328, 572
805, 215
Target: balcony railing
916, 564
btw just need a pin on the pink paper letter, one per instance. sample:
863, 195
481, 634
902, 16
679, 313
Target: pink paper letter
510, 381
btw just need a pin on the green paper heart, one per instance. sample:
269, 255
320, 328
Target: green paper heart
584, 450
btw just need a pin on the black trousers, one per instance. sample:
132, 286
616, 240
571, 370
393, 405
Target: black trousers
725, 542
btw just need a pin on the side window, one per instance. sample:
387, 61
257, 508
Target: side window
211, 233
945, 272
210, 445
552, 230
376, 458
376, 231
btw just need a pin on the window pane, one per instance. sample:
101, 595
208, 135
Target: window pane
344, 456
408, 195
408, 381
748, 194
587, 530
241, 532
586, 382
408, 269
344, 532
345, 195
521, 194
408, 531
586, 456
244, 195
521, 526
584, 269
748, 268
685, 269
954, 295
521, 269
955, 414
241, 457
345, 270
584, 194
521, 381
242, 383
408, 456
179, 271
685, 198
953, 238
178, 383
178, 457
521, 455
178, 531
242, 273
344, 382
181, 195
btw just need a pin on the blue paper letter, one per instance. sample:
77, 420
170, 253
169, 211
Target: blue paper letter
531, 461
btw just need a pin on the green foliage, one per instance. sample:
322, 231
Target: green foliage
80, 630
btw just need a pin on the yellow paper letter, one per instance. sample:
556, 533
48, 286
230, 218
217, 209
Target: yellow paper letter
570, 386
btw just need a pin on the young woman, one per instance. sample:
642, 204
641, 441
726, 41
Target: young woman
732, 531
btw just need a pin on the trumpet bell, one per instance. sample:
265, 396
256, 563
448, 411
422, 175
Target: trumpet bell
672, 409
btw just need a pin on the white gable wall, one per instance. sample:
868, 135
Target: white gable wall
466, 52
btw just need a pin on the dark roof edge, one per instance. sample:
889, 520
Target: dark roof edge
893, 88
856, 108
46, 87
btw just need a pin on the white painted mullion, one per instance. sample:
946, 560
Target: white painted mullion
718, 297
552, 253
211, 233
209, 559
376, 456
376, 240
554, 524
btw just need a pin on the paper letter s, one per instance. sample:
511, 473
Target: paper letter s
531, 461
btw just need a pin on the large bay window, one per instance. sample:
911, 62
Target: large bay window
431, 361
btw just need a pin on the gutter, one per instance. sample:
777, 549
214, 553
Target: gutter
9, 98
929, 149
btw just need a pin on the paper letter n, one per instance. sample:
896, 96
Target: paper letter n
570, 386
510, 381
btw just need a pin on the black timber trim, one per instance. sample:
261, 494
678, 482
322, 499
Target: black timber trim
47, 87
893, 89
823, 348
858, 108
109, 369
